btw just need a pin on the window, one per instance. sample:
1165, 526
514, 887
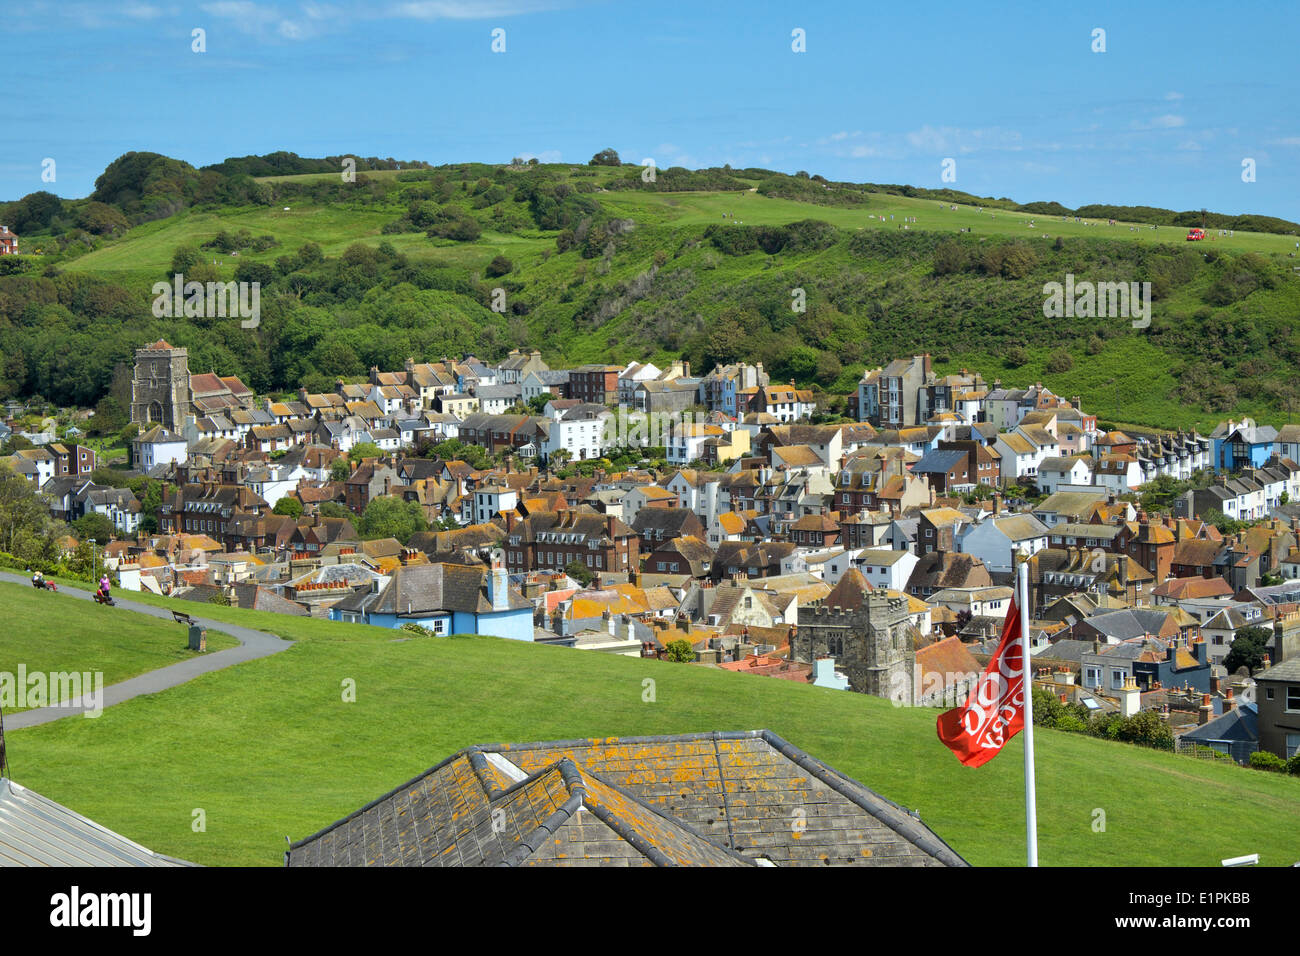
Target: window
1116, 680
1293, 699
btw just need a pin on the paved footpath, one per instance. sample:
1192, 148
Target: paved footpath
252, 645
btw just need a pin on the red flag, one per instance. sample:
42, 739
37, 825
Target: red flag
994, 711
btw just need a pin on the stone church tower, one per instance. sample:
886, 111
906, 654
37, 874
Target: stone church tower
160, 390
873, 644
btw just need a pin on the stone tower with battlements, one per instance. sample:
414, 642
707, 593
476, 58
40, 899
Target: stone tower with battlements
872, 644
160, 389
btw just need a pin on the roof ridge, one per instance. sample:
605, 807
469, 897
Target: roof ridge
910, 828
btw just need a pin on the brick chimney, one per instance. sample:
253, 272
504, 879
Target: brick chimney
1205, 711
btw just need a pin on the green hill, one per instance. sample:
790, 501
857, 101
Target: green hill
598, 264
49, 634
270, 748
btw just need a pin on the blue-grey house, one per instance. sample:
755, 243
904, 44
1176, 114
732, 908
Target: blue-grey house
445, 598
1234, 732
1236, 445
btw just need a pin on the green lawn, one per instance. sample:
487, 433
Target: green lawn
269, 748
691, 208
51, 632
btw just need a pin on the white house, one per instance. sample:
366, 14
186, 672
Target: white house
703, 493
886, 569
632, 376
1056, 474
580, 432
1119, 474
157, 446
995, 540
492, 499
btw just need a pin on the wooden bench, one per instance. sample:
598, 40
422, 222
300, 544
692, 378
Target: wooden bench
182, 618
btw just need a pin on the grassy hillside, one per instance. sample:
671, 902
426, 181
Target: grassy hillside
604, 267
270, 748
49, 633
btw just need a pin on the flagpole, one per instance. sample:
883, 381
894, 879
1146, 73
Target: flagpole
1031, 800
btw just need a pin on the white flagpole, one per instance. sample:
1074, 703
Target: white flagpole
1031, 800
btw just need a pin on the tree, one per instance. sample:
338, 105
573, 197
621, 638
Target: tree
332, 509
184, 259
499, 266
365, 449
453, 449
580, 572
606, 157
93, 525
288, 505
21, 511
1247, 649
109, 417
340, 470
1016, 357
390, 517
680, 651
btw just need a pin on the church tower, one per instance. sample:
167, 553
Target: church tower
160, 390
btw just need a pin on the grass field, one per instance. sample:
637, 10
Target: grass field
147, 249
47, 632
269, 748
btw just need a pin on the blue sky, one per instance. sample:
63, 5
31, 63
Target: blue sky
1014, 93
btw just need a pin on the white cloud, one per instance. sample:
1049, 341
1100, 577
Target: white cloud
1173, 96
1167, 121
466, 9
307, 18
143, 11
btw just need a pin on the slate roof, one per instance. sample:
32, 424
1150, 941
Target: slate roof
939, 462
1239, 724
709, 799
1129, 623
36, 831
1286, 671
422, 588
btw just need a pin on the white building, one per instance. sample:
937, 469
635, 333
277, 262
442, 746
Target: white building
995, 540
157, 446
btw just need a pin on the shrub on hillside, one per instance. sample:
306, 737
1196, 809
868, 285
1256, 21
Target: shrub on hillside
680, 651
1060, 362
1263, 760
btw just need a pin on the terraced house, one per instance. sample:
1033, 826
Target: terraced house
551, 540
207, 508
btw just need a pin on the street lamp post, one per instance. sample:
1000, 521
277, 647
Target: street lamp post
94, 560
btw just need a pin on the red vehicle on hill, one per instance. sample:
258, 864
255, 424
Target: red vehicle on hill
1195, 234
